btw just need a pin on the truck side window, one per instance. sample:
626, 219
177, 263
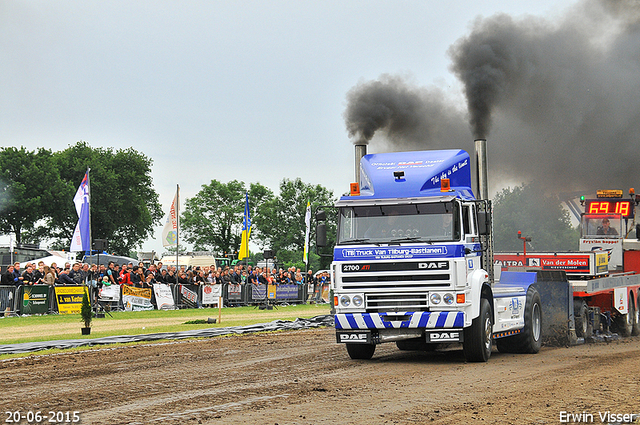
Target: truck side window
465, 219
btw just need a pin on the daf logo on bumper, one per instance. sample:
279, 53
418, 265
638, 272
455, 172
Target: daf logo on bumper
434, 265
447, 336
357, 337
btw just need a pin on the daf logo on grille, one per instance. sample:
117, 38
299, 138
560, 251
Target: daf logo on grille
434, 265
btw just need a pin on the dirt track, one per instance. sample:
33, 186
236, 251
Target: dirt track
304, 377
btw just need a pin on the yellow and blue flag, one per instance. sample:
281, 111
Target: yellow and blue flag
246, 230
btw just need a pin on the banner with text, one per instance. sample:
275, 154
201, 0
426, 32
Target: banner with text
69, 299
136, 299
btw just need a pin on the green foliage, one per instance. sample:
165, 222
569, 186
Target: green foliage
86, 314
212, 220
124, 205
528, 209
30, 189
281, 220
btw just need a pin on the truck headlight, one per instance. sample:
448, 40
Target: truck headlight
345, 301
357, 300
435, 298
448, 299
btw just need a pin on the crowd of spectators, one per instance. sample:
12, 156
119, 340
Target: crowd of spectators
144, 277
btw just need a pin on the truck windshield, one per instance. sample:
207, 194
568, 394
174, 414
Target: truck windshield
430, 222
597, 226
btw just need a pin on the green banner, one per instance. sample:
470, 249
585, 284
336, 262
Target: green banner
35, 299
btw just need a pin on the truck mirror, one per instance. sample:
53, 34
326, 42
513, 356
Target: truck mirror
483, 225
321, 235
321, 215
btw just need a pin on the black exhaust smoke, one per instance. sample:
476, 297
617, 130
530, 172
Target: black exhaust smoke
557, 96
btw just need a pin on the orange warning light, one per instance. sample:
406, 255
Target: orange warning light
445, 185
355, 189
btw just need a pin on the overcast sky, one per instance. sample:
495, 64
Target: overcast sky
247, 90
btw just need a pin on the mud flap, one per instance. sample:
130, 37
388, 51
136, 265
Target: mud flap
556, 296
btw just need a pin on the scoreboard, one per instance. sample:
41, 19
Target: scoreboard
624, 207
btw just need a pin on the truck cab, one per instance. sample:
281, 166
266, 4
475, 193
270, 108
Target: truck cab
413, 258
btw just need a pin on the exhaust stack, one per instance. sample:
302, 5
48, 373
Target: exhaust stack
361, 150
481, 169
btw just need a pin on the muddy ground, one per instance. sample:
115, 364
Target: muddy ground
304, 377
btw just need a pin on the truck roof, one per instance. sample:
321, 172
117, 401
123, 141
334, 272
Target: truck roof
415, 174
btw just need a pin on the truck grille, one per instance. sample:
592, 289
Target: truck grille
401, 302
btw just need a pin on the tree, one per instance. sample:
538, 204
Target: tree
212, 219
30, 190
281, 222
124, 205
528, 209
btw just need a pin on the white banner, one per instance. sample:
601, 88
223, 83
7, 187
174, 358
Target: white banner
110, 293
164, 297
211, 294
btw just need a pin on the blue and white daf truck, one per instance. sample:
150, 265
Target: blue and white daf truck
413, 262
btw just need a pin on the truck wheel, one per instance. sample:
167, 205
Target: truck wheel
584, 328
361, 351
477, 337
624, 322
636, 322
529, 340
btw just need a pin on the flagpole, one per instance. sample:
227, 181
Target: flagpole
177, 207
89, 191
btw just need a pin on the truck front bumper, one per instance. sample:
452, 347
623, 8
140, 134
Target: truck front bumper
406, 320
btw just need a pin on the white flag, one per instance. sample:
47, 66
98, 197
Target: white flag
170, 231
307, 221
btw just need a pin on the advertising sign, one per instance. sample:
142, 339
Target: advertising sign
211, 294
164, 296
136, 299
69, 299
577, 263
35, 299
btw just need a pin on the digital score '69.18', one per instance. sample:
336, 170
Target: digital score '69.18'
624, 207
38, 417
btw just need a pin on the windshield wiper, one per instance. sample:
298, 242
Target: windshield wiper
410, 239
356, 240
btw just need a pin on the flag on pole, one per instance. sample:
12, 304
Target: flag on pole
307, 221
81, 240
246, 230
170, 231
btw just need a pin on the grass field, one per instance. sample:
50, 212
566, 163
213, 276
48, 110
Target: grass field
54, 327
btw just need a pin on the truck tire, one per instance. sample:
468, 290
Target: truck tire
624, 322
361, 351
529, 340
636, 322
477, 337
584, 327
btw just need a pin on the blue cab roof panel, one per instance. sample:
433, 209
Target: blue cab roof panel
423, 171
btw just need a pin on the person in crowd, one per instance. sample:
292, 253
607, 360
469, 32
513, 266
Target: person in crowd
125, 276
162, 277
226, 278
309, 279
38, 274
27, 277
65, 279
7, 277
76, 274
49, 277
149, 281
298, 277
198, 278
17, 274
136, 277
183, 279
111, 273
